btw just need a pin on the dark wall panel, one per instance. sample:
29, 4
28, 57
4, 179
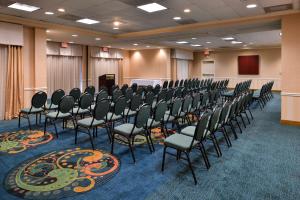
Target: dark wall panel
248, 65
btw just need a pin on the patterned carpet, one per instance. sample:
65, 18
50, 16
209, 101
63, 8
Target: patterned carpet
19, 141
62, 173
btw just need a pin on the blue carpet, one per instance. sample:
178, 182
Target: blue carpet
264, 163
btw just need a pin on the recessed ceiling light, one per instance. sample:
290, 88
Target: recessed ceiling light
61, 10
196, 45
71, 42
108, 46
228, 38
49, 13
48, 39
251, 42
236, 42
117, 23
208, 42
280, 34
87, 21
135, 44
177, 18
74, 35
245, 45
182, 42
251, 6
116, 28
194, 38
47, 31
152, 7
187, 10
97, 39
24, 7
148, 46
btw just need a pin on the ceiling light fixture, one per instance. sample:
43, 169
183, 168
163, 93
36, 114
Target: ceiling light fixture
87, 21
49, 13
116, 23
251, 6
148, 46
47, 31
116, 28
228, 38
182, 42
74, 35
187, 10
48, 39
24, 7
208, 42
177, 18
196, 45
135, 44
194, 38
236, 42
152, 7
71, 42
97, 39
61, 10
280, 34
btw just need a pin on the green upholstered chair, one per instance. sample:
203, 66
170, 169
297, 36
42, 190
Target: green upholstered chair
55, 98
98, 118
173, 115
103, 94
134, 104
158, 119
84, 105
185, 143
75, 93
185, 109
90, 90
129, 131
117, 112
63, 113
37, 107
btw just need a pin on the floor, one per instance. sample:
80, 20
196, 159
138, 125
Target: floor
264, 163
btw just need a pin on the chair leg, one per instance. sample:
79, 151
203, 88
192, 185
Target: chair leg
204, 156
112, 143
226, 137
19, 124
191, 167
164, 157
28, 118
131, 150
36, 118
91, 139
242, 120
76, 133
216, 145
45, 125
247, 117
149, 134
250, 113
233, 130
55, 129
108, 132
148, 142
237, 122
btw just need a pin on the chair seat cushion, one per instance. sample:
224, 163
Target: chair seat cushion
87, 122
152, 123
113, 117
33, 110
53, 115
80, 111
129, 112
51, 107
228, 94
166, 118
125, 129
179, 141
189, 131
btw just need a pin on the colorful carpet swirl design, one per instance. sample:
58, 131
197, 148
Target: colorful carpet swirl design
19, 141
61, 174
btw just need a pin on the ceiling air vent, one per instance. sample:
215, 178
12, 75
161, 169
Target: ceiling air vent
278, 8
186, 21
69, 17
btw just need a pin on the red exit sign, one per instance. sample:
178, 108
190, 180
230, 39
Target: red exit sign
105, 49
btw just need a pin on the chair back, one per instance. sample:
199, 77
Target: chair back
196, 101
176, 105
187, 102
156, 89
176, 83
169, 94
140, 91
128, 94
149, 98
177, 92
160, 110
120, 105
224, 113
142, 116
171, 84
117, 93
165, 84
134, 87
215, 120
75, 93
201, 127
102, 95
66, 104
56, 96
162, 95
101, 109
39, 99
135, 102
85, 101
90, 90
124, 88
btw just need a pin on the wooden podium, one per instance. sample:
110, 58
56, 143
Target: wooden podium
107, 80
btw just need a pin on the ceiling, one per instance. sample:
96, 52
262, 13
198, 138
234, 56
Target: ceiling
136, 20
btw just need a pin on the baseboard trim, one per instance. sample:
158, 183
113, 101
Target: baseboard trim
289, 122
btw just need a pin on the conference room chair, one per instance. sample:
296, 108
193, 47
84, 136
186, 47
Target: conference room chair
172, 115
75, 93
124, 88
185, 144
134, 87
134, 105
130, 130
165, 84
171, 83
90, 90
84, 106
185, 110
149, 98
117, 112
55, 98
99, 118
176, 83
156, 89
128, 95
38, 102
64, 113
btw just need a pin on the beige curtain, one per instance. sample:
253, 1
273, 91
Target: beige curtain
14, 89
63, 72
182, 69
3, 69
102, 66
